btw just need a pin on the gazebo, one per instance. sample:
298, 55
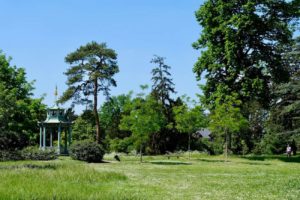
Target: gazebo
56, 122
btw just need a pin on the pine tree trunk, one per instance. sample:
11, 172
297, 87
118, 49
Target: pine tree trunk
97, 120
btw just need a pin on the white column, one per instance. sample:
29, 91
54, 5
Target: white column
41, 136
44, 138
58, 139
51, 138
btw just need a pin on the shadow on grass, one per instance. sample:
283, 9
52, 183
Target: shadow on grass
30, 166
293, 159
254, 163
169, 163
213, 160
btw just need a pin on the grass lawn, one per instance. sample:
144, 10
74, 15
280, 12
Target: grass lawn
202, 177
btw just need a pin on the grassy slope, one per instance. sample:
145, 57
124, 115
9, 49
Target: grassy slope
204, 178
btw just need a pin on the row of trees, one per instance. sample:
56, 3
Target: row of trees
250, 62
152, 122
250, 102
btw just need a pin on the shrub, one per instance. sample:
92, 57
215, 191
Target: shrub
10, 155
34, 153
87, 150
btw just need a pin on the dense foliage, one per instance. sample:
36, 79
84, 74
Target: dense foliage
244, 51
87, 150
19, 112
34, 153
240, 41
145, 118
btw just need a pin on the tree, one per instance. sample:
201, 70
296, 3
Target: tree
162, 89
282, 126
163, 85
84, 126
189, 119
111, 114
240, 46
19, 112
145, 118
92, 71
226, 118
284, 118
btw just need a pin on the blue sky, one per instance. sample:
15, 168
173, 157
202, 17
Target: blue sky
39, 34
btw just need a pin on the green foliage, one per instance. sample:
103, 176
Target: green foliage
87, 150
111, 113
163, 85
34, 153
92, 71
190, 119
84, 127
146, 117
19, 112
9, 155
125, 145
226, 119
283, 123
240, 46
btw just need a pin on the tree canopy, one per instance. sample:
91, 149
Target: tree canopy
92, 69
239, 43
19, 111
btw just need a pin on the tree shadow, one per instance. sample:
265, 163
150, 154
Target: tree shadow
213, 160
293, 159
31, 166
169, 163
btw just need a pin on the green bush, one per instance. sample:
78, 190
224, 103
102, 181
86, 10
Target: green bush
34, 153
10, 155
87, 150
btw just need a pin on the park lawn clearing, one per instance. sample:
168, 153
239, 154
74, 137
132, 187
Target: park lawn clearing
202, 177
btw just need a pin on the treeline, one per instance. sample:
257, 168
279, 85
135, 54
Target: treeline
250, 60
153, 122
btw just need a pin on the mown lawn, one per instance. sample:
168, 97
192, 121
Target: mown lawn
202, 177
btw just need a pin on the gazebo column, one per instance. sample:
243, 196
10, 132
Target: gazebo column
66, 141
41, 136
58, 139
70, 135
44, 138
51, 138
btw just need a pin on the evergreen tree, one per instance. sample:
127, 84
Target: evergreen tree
163, 85
162, 89
92, 69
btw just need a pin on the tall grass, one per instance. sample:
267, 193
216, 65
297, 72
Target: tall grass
202, 177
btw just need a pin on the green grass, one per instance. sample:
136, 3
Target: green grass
202, 177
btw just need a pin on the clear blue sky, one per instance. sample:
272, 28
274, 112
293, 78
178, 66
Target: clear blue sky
39, 34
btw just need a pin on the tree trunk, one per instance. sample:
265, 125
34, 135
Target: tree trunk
226, 145
97, 120
189, 147
141, 155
